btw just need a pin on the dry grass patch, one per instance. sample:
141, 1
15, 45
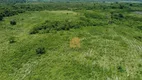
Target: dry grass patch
75, 42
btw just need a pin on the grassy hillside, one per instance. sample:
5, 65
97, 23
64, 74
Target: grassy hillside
110, 45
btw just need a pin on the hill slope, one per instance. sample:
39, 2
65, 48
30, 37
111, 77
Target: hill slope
110, 44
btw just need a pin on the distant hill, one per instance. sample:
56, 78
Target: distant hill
85, 0
12, 1
23, 1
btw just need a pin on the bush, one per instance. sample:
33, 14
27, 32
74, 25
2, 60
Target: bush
49, 26
13, 22
1, 18
120, 16
33, 31
116, 15
121, 7
139, 27
36, 29
130, 4
40, 50
12, 40
120, 69
138, 38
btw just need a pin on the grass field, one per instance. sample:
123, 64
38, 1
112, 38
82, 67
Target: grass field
107, 51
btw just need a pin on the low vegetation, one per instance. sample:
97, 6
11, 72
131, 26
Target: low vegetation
40, 50
13, 22
12, 40
1, 18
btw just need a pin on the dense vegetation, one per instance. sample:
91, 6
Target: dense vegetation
36, 37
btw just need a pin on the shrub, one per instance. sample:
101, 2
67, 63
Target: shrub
139, 27
36, 29
40, 50
121, 16
13, 22
49, 26
110, 22
138, 38
116, 15
120, 69
1, 18
121, 7
12, 40
130, 4
33, 31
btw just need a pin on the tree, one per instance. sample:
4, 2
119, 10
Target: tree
131, 5
13, 22
1, 18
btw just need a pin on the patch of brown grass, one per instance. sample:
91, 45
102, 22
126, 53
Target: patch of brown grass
75, 42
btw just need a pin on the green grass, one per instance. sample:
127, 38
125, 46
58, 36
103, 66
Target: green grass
108, 51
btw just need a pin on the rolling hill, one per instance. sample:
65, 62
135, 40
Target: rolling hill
71, 41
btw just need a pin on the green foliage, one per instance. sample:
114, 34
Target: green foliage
138, 38
131, 4
139, 27
1, 18
120, 69
94, 15
12, 40
40, 50
13, 22
49, 26
116, 16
